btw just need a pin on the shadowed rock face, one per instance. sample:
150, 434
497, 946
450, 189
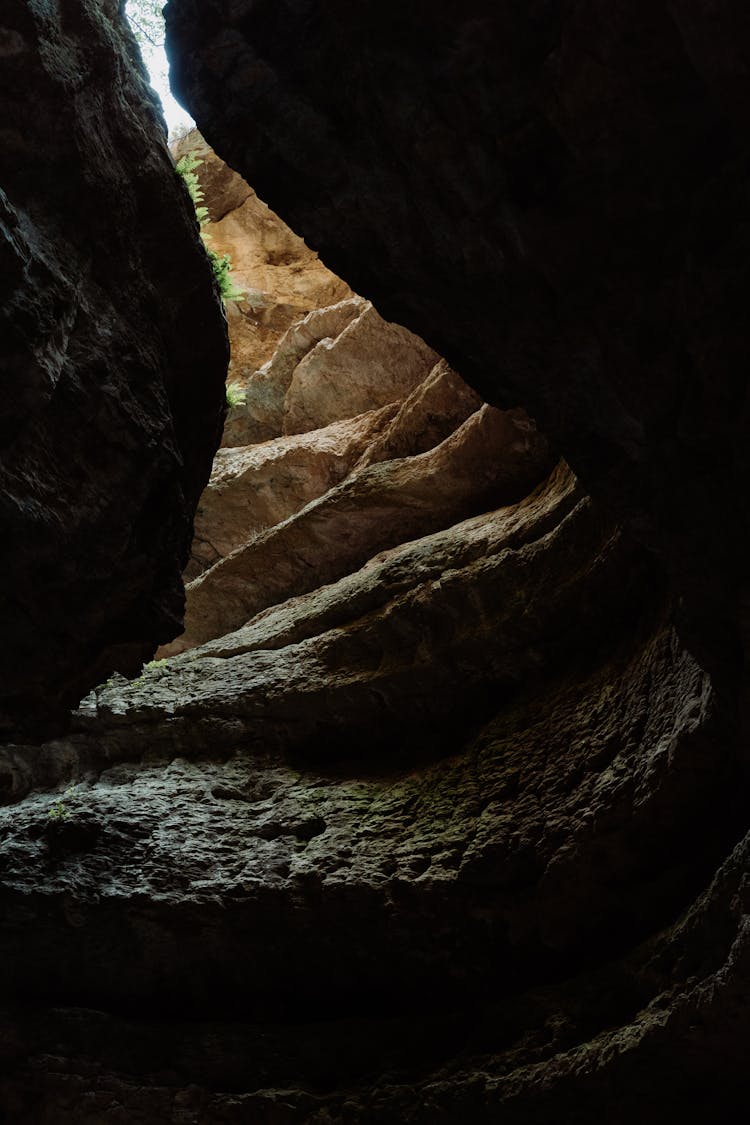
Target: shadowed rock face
113, 350
281, 277
459, 837
553, 196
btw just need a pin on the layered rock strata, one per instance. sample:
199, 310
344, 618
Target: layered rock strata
460, 835
554, 197
433, 806
334, 483
113, 348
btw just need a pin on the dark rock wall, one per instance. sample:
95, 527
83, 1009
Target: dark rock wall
554, 196
113, 351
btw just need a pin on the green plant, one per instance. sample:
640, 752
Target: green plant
222, 267
235, 395
59, 810
185, 167
220, 263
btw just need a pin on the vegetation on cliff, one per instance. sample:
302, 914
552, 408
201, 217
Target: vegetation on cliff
221, 263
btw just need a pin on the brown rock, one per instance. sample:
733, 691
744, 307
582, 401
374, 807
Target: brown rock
492, 458
563, 217
282, 278
224, 190
370, 364
460, 836
434, 409
511, 856
267, 388
255, 487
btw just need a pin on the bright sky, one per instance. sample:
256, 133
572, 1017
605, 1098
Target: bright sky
156, 60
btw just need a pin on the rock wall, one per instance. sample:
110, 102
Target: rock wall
553, 196
113, 349
440, 816
281, 277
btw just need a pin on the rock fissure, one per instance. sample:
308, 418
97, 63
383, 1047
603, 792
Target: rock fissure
436, 810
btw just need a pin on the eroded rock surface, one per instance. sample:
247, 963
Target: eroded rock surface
554, 197
114, 354
281, 277
420, 822
447, 822
492, 458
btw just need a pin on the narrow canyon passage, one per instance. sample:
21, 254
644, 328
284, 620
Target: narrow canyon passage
435, 810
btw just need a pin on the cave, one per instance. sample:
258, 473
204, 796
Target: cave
374, 745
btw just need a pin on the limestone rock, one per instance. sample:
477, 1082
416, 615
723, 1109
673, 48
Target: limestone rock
555, 200
113, 350
224, 190
493, 458
453, 827
435, 408
369, 364
255, 487
337, 362
267, 387
230, 780
282, 278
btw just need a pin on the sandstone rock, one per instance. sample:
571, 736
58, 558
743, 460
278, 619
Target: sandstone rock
267, 388
492, 458
434, 409
459, 836
337, 362
370, 364
255, 487
514, 855
569, 230
283, 279
223, 189
561, 213
114, 355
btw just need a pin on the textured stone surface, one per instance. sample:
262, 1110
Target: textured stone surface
267, 388
492, 458
282, 278
113, 351
428, 938
369, 364
256, 486
461, 836
339, 361
553, 196
435, 408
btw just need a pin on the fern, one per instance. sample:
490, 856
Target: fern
220, 263
235, 395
